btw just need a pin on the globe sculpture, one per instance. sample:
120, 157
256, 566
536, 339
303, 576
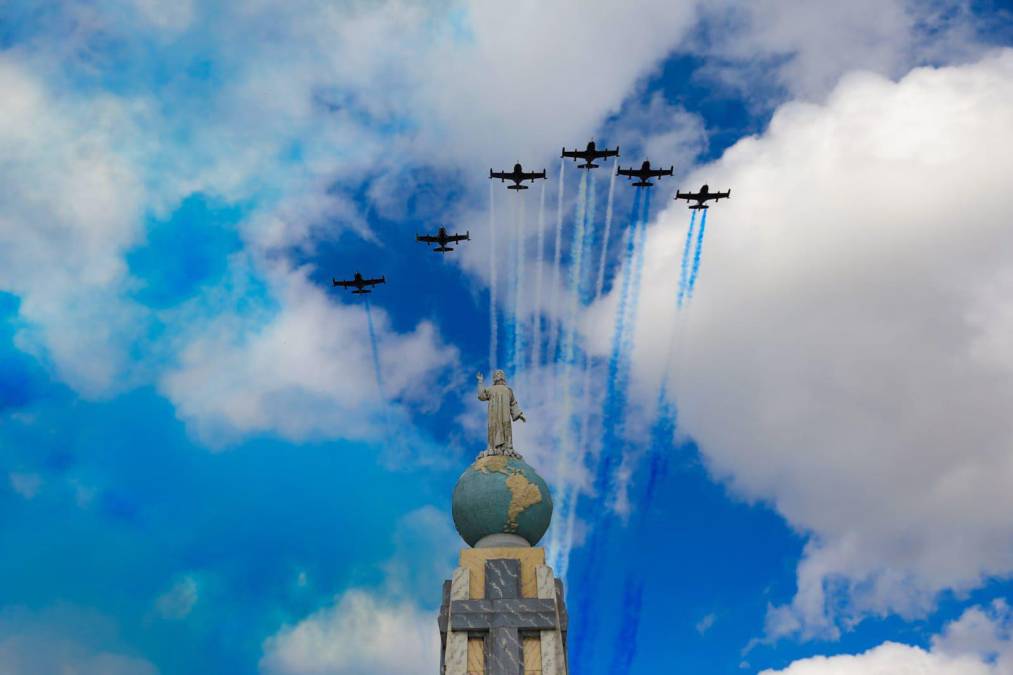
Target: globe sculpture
501, 495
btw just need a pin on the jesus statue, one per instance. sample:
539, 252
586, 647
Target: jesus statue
503, 412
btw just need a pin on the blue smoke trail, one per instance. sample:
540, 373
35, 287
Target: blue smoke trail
374, 348
684, 265
613, 410
626, 642
638, 273
696, 257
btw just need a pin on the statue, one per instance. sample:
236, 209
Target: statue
503, 412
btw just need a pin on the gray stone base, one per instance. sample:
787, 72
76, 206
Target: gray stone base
502, 540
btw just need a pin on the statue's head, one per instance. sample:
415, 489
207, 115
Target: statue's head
499, 377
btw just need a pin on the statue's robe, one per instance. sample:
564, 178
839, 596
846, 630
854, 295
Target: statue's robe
503, 410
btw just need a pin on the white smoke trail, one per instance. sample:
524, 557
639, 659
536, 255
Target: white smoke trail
536, 321
557, 255
600, 282
569, 457
520, 236
493, 319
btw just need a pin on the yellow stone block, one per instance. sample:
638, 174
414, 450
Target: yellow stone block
532, 655
476, 656
474, 559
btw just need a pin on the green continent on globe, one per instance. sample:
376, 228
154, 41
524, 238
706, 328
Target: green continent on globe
500, 494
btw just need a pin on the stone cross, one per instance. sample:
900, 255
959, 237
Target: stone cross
503, 614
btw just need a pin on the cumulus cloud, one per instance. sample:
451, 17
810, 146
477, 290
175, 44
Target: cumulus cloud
841, 359
304, 371
978, 643
772, 50
354, 635
69, 207
62, 641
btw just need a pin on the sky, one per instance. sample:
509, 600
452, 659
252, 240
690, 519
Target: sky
778, 439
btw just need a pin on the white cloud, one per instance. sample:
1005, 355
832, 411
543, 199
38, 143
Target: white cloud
770, 48
63, 640
25, 484
978, 643
843, 358
177, 602
303, 372
887, 659
360, 635
69, 207
382, 631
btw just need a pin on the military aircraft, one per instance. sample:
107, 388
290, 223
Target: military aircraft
590, 154
518, 175
442, 238
702, 196
359, 283
644, 172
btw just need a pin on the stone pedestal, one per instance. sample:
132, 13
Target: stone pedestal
503, 614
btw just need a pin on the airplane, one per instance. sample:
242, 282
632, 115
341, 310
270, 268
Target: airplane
442, 238
644, 172
517, 176
590, 154
702, 196
359, 283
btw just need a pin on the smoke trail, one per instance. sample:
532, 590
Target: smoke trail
600, 282
684, 265
557, 255
626, 643
510, 282
588, 244
563, 540
613, 407
536, 323
638, 273
568, 456
520, 234
374, 349
493, 324
696, 257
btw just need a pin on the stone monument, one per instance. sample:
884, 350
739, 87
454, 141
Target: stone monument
503, 611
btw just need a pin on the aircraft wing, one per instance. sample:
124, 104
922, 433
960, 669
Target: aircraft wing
576, 154
457, 237
611, 153
343, 284
663, 172
499, 174
532, 175
686, 195
428, 238
626, 172
374, 282
723, 195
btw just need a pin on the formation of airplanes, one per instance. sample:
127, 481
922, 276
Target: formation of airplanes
644, 175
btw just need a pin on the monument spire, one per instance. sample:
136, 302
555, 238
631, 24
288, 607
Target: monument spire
503, 611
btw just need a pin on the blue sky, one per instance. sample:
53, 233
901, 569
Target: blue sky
204, 470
